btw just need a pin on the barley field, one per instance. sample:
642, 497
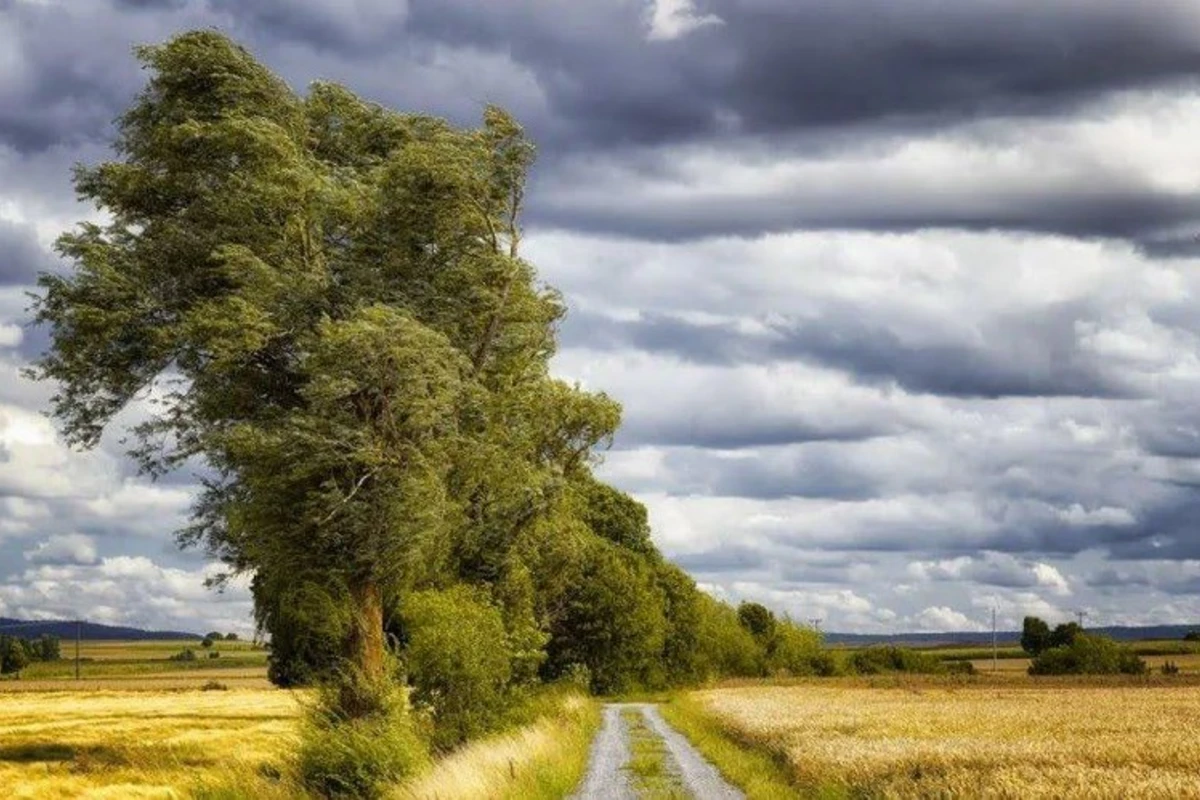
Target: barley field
985, 739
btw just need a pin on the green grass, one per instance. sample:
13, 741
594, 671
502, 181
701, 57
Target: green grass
648, 761
757, 771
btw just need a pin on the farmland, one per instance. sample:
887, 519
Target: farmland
993, 737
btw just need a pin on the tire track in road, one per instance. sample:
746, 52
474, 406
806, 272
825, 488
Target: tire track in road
608, 779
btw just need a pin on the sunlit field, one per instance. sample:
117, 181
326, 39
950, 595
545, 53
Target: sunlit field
976, 738
107, 744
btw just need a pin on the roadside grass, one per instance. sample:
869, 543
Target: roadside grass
652, 775
763, 774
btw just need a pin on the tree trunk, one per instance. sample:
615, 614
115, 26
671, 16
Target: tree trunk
360, 695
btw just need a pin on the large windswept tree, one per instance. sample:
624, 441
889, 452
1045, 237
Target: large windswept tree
326, 302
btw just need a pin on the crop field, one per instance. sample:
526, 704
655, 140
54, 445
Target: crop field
118, 744
980, 738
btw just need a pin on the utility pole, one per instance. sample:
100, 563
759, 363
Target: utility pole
816, 623
995, 654
1080, 614
78, 627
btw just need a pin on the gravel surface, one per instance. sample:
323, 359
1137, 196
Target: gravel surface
607, 778
700, 777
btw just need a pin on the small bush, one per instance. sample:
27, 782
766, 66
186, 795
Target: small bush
458, 662
184, 655
1192, 636
214, 654
1088, 654
358, 758
214, 686
960, 667
207, 642
876, 660
1169, 668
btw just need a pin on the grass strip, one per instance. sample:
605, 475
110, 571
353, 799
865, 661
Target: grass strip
648, 761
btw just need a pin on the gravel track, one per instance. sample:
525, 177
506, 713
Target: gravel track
607, 778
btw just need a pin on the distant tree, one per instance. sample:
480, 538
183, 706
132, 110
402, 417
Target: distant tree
231, 637
14, 655
1064, 634
214, 635
1035, 635
1192, 636
207, 642
758, 619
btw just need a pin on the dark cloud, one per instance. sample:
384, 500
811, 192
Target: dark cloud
21, 255
1034, 354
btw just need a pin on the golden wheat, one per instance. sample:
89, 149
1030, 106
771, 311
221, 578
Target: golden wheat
136, 744
1059, 741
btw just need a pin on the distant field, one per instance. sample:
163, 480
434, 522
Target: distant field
141, 664
1031, 739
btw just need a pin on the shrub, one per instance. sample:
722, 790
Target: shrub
214, 654
458, 661
207, 642
1169, 668
359, 758
794, 650
213, 686
888, 658
1088, 654
1192, 636
186, 654
960, 667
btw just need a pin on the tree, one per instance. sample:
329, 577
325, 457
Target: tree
1035, 636
231, 637
14, 656
1064, 634
330, 300
207, 642
1088, 654
757, 619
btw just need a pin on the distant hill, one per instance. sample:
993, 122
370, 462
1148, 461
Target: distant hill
980, 638
65, 629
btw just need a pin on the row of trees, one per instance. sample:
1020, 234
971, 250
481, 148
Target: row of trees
16, 652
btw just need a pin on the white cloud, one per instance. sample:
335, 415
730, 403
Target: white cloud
70, 548
670, 19
941, 618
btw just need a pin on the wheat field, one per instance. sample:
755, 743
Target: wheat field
137, 744
974, 740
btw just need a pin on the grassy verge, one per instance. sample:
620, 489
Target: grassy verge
648, 761
543, 760
759, 772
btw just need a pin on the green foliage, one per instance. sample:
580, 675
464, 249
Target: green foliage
358, 758
613, 515
796, 650
725, 646
1088, 654
757, 619
888, 658
207, 642
681, 656
610, 619
1064, 634
187, 654
458, 661
307, 623
1169, 668
1192, 636
1035, 635
14, 654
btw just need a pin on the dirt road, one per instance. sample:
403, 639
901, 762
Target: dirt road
608, 778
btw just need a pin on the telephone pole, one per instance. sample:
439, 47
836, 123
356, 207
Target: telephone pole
816, 623
78, 630
1080, 614
995, 654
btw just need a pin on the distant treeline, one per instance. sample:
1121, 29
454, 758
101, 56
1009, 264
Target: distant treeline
17, 652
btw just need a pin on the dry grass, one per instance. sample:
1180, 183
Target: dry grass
136, 744
1057, 740
545, 759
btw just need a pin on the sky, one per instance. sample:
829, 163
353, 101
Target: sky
900, 297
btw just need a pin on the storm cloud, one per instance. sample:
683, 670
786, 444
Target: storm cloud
899, 296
